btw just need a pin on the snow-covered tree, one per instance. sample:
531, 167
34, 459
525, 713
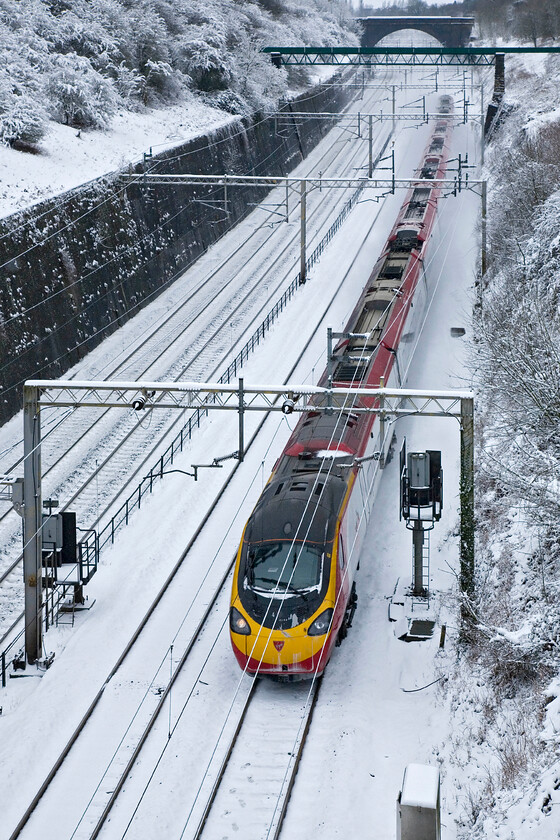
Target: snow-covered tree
80, 59
201, 55
78, 94
23, 121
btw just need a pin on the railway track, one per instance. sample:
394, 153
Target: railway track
252, 788
75, 480
135, 797
95, 749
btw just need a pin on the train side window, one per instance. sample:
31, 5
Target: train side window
341, 562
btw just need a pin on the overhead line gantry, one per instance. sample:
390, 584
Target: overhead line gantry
397, 56
387, 403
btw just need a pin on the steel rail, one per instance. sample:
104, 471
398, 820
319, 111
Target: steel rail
158, 404
135, 636
128, 436
295, 767
188, 300
161, 702
122, 489
285, 792
130, 764
225, 760
184, 303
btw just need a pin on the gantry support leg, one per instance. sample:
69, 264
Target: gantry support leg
466, 491
32, 531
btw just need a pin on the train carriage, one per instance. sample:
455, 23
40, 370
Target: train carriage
293, 593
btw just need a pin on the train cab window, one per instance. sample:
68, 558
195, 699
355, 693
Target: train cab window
285, 567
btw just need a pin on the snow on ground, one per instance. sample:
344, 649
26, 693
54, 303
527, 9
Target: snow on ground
371, 721
68, 157
378, 710
386, 700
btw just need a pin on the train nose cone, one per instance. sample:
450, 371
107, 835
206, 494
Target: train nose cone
278, 645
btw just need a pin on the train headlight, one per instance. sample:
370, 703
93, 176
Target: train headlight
238, 624
321, 624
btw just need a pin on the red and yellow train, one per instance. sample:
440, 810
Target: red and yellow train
293, 592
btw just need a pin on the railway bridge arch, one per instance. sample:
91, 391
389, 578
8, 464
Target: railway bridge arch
449, 31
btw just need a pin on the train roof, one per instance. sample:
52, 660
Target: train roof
298, 505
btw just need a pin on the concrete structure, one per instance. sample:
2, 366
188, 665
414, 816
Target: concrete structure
449, 31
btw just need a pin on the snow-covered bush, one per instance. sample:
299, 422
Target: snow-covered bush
202, 57
275, 7
84, 58
157, 76
254, 76
511, 646
23, 121
129, 84
517, 357
87, 38
78, 94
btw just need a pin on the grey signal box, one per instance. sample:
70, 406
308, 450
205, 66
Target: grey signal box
418, 804
421, 503
52, 532
421, 485
419, 478
419, 469
59, 535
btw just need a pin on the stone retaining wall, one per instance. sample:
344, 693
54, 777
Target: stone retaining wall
81, 264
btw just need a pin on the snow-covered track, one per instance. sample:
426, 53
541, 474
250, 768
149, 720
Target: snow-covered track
144, 361
251, 792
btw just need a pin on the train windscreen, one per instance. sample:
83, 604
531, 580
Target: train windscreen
284, 567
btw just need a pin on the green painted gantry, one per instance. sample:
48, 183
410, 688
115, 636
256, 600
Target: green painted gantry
397, 56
